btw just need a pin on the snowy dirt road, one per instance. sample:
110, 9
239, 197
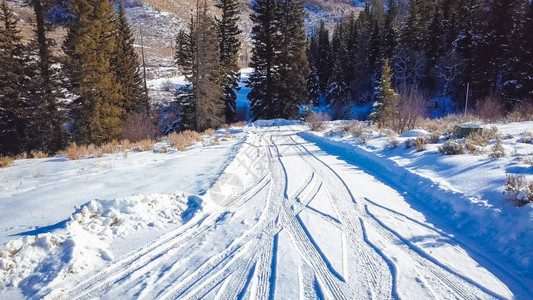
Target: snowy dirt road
288, 221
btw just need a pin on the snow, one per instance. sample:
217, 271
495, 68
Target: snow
465, 189
278, 212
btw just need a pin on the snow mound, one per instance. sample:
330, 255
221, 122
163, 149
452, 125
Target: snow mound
82, 244
415, 133
275, 122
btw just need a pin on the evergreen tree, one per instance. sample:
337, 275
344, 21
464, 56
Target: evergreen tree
126, 68
13, 108
390, 31
90, 46
229, 44
324, 59
291, 59
262, 81
385, 105
47, 132
199, 58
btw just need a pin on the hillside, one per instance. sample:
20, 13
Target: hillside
161, 19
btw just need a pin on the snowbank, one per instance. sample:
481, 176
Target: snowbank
466, 189
82, 242
275, 122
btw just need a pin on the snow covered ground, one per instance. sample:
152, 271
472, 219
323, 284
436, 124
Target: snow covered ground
294, 215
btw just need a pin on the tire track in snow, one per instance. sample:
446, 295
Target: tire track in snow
368, 272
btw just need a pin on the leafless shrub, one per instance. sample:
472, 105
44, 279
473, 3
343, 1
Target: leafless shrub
139, 126
74, 152
6, 161
411, 110
167, 86
358, 129
317, 121
111, 147
518, 190
490, 109
497, 150
522, 112
451, 147
23, 155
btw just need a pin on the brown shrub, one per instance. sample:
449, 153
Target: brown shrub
38, 154
144, 145
238, 124
111, 147
490, 109
184, 139
139, 126
522, 112
209, 132
317, 121
411, 110
74, 152
6, 161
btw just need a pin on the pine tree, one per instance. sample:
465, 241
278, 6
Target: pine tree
263, 95
385, 105
390, 30
324, 59
47, 132
90, 46
229, 45
13, 108
199, 58
126, 68
291, 59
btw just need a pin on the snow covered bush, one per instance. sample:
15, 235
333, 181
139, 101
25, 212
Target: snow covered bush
518, 190
497, 150
451, 147
527, 137
433, 137
409, 143
5, 161
393, 141
358, 129
420, 143
317, 121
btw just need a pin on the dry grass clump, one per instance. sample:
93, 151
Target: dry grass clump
518, 190
528, 160
111, 147
451, 147
143, 145
317, 121
6, 161
521, 112
38, 154
74, 152
238, 124
433, 137
209, 132
184, 139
